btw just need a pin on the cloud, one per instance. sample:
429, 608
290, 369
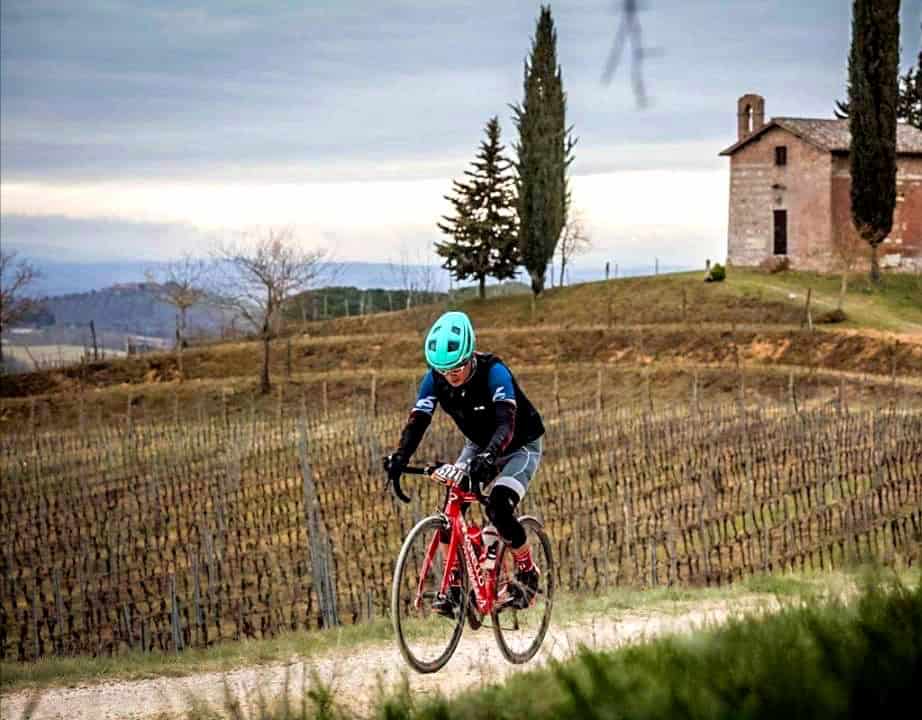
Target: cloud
350, 119
111, 89
371, 220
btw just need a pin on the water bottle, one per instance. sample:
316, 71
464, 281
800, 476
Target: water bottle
490, 538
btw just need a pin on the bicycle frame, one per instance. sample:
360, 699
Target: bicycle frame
483, 582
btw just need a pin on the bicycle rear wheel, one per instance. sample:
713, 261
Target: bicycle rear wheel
426, 639
519, 633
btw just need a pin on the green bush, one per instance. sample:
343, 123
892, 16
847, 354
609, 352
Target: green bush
833, 316
820, 661
823, 660
718, 273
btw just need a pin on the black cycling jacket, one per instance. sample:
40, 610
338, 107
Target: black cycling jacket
478, 407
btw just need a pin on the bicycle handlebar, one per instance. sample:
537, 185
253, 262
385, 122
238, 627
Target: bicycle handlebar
429, 470
426, 470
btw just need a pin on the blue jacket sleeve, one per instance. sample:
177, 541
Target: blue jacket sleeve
420, 417
500, 383
502, 391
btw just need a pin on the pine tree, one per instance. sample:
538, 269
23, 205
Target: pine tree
484, 226
909, 97
909, 104
544, 153
873, 69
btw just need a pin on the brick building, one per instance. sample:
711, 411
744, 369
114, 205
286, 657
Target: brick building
789, 192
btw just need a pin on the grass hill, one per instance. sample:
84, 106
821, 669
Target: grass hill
655, 324
697, 434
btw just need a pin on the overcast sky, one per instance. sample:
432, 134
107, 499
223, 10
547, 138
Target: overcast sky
143, 129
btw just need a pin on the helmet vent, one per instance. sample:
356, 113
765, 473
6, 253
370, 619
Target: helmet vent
453, 345
456, 330
432, 345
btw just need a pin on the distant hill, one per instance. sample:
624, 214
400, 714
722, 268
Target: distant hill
131, 308
68, 278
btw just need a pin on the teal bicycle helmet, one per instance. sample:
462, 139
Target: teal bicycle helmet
450, 341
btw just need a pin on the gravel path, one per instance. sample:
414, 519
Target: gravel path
357, 674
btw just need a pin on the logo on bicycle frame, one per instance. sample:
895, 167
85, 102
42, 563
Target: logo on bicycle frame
473, 565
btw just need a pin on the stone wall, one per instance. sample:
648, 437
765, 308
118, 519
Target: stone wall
802, 187
902, 249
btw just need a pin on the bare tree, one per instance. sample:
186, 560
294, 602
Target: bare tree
850, 249
256, 276
180, 283
416, 277
15, 278
574, 240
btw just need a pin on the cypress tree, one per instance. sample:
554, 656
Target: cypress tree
873, 69
484, 226
544, 153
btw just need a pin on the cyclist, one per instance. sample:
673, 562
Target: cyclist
504, 440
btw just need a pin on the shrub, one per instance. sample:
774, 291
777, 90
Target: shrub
833, 316
718, 273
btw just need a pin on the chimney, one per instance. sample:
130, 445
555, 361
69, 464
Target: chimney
750, 115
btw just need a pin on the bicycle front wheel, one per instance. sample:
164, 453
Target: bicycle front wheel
426, 638
519, 633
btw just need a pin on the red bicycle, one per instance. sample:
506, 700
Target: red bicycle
482, 587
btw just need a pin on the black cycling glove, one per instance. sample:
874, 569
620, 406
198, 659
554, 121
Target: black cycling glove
482, 469
394, 465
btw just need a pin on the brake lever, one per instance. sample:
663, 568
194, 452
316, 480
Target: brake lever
398, 491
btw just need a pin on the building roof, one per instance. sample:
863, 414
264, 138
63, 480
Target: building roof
831, 135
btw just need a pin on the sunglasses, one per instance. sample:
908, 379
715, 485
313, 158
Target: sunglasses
455, 370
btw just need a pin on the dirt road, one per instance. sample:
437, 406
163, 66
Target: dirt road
357, 673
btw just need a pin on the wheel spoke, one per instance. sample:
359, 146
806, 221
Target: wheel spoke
425, 637
523, 629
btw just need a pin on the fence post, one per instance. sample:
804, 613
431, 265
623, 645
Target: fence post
649, 389
374, 394
32, 424
696, 406
792, 392
557, 391
598, 391
95, 346
81, 420
288, 359
808, 318
320, 552
174, 616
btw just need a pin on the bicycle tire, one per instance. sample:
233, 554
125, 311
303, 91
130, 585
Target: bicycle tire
533, 527
424, 529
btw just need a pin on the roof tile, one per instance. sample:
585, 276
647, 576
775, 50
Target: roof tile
833, 135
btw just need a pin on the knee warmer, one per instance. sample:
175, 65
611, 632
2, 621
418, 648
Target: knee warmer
500, 509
